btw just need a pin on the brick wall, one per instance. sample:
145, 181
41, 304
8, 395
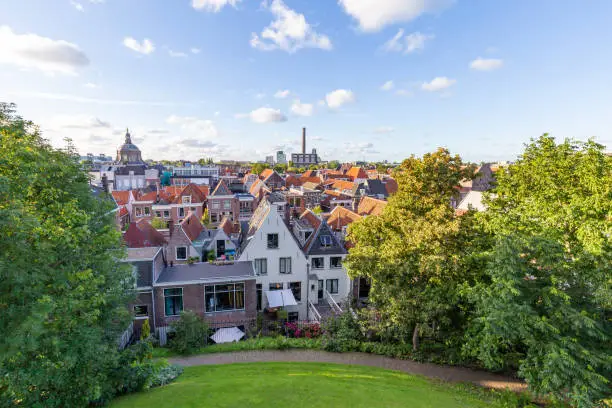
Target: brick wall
143, 298
177, 239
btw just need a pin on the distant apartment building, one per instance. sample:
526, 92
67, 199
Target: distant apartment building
270, 160
281, 157
196, 174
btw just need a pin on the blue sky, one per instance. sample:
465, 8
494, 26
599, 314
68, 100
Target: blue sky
370, 79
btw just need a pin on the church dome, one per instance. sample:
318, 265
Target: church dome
129, 153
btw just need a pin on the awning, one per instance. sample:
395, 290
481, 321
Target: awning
278, 298
227, 335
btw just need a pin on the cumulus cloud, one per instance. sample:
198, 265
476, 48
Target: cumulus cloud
302, 109
360, 148
145, 47
387, 86
407, 44
177, 54
403, 92
438, 84
195, 50
288, 32
282, 94
77, 6
486, 64
267, 115
373, 15
91, 85
339, 97
78, 122
31, 51
213, 6
202, 127
383, 130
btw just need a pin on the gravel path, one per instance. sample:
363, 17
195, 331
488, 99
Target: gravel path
446, 373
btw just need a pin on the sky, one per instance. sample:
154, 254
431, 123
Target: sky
370, 79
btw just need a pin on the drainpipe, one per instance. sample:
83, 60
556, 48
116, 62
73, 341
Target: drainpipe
307, 290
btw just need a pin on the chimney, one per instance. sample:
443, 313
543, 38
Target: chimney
304, 140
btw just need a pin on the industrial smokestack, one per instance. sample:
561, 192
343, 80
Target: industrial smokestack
304, 140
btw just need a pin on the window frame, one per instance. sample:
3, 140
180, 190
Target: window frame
274, 286
176, 253
331, 262
298, 298
268, 241
282, 265
182, 306
147, 211
140, 315
186, 199
329, 284
260, 260
233, 291
181, 211
322, 258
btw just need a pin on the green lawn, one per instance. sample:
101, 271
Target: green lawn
302, 385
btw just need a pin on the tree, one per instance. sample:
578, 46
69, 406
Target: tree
158, 223
206, 161
317, 210
550, 271
63, 293
145, 331
334, 165
205, 219
257, 168
280, 168
416, 253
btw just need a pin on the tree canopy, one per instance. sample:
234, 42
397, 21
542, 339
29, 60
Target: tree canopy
257, 168
63, 293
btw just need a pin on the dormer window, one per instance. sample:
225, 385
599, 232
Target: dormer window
326, 241
186, 199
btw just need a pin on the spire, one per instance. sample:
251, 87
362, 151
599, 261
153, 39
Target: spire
128, 138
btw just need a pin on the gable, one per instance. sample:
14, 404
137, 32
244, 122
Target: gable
221, 189
324, 242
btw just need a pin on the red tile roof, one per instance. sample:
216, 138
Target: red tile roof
356, 173
121, 197
123, 211
342, 185
341, 217
313, 179
310, 173
228, 227
391, 186
192, 226
291, 181
152, 235
142, 234
314, 221
371, 206
266, 173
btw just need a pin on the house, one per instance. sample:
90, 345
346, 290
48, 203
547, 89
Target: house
277, 258
272, 179
308, 197
371, 206
220, 243
221, 203
142, 234
357, 175
471, 201
330, 284
348, 188
168, 204
375, 188
339, 220
331, 199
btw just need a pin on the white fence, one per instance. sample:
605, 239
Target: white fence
125, 338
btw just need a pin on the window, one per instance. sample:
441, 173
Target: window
213, 217
296, 288
276, 286
261, 266
227, 204
223, 298
307, 235
326, 241
181, 253
284, 265
332, 286
158, 214
186, 199
335, 262
215, 205
272, 241
293, 316
318, 263
166, 214
181, 212
193, 210
259, 295
147, 211
138, 212
141, 310
173, 301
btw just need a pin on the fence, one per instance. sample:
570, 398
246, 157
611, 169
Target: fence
251, 329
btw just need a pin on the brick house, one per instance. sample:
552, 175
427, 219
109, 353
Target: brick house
272, 179
168, 203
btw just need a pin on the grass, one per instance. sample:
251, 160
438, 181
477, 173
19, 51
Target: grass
309, 385
263, 343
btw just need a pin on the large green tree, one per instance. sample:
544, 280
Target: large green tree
416, 253
548, 302
63, 293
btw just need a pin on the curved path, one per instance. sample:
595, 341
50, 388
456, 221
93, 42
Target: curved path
446, 373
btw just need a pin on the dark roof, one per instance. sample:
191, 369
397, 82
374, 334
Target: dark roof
315, 247
376, 187
221, 189
205, 271
125, 170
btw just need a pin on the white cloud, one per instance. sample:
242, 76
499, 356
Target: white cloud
145, 47
177, 54
288, 32
403, 92
282, 94
201, 127
360, 148
77, 6
266, 115
78, 122
387, 86
383, 130
438, 84
407, 44
260, 95
486, 64
302, 109
30, 51
373, 15
195, 50
91, 85
339, 97
213, 5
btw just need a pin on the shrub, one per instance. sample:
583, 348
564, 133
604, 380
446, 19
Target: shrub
190, 333
342, 333
145, 331
309, 330
164, 373
158, 223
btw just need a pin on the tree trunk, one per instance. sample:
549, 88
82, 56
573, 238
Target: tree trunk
415, 338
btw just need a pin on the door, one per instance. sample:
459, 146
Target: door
320, 291
220, 247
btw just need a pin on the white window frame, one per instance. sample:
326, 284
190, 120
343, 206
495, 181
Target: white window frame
176, 253
287, 261
186, 199
140, 317
181, 210
328, 283
322, 258
260, 260
331, 265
